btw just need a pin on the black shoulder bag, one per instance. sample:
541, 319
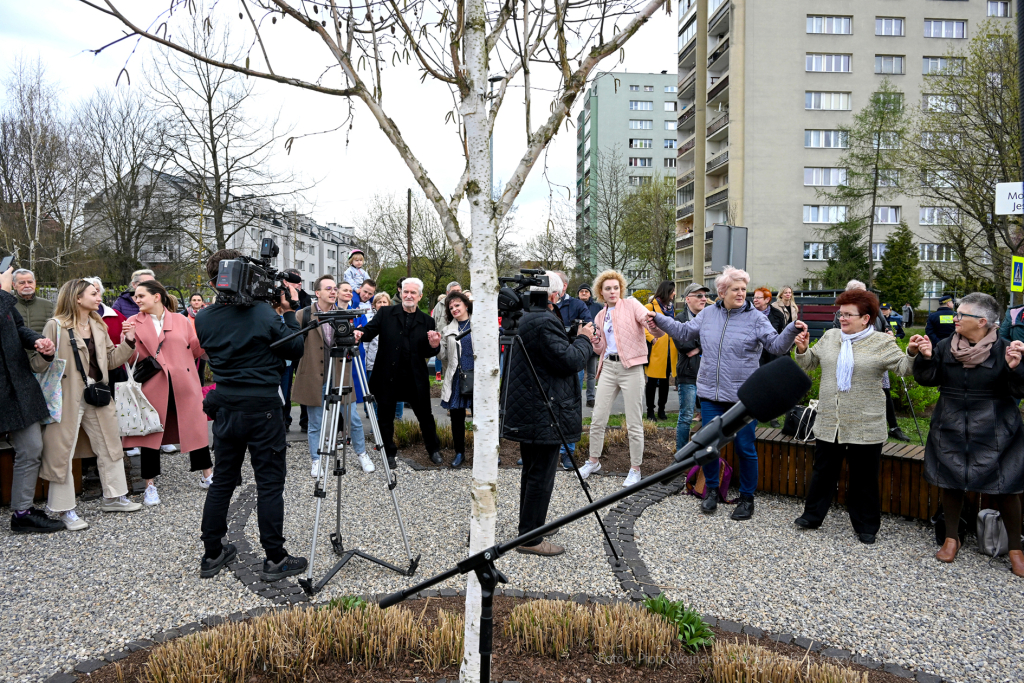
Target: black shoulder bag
97, 394
465, 376
148, 367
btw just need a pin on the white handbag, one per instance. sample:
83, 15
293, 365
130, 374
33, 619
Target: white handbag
136, 416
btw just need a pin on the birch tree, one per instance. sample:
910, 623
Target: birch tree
473, 51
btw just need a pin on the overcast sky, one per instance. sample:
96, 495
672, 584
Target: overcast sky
60, 31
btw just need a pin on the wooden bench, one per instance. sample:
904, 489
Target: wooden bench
42, 487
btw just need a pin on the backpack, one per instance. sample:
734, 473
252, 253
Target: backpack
992, 538
695, 485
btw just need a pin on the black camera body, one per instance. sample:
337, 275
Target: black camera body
245, 281
515, 300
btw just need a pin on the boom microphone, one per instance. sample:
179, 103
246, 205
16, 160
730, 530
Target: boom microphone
294, 278
772, 390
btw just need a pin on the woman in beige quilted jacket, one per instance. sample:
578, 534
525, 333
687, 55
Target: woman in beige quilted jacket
850, 423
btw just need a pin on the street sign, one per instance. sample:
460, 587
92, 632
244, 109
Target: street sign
1017, 276
728, 247
1009, 199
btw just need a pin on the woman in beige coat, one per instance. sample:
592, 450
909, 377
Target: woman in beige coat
850, 423
76, 315
784, 302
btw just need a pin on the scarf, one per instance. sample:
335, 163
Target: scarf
972, 356
844, 366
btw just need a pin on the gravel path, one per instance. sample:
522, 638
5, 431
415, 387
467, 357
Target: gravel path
891, 601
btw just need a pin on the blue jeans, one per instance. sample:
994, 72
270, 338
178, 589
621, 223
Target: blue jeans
316, 416
687, 399
745, 446
437, 364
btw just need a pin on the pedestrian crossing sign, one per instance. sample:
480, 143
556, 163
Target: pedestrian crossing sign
1017, 277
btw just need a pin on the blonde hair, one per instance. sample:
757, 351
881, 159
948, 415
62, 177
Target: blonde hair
382, 296
728, 278
608, 275
66, 312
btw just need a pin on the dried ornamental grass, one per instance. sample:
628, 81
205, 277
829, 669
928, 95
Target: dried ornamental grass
745, 663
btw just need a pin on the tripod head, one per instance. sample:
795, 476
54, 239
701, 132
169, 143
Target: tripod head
343, 324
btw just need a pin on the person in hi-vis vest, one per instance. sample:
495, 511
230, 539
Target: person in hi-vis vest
940, 322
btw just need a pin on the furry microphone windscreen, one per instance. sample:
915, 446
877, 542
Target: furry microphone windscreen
773, 389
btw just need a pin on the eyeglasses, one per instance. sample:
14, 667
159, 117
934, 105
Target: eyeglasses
700, 295
960, 316
847, 316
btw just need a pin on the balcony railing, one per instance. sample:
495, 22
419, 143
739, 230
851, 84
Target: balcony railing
687, 50
685, 178
718, 16
718, 52
719, 87
684, 211
687, 146
688, 81
718, 124
717, 197
686, 115
718, 161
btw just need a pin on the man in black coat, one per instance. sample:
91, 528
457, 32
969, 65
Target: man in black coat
557, 360
940, 322
24, 408
407, 339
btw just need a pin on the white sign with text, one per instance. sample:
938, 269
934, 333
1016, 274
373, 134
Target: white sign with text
1009, 199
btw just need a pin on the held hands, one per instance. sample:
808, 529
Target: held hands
1013, 354
45, 346
692, 352
802, 340
800, 325
433, 336
922, 345
358, 335
128, 330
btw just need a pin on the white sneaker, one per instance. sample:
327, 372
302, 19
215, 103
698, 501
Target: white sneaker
205, 482
589, 467
133, 452
632, 478
315, 472
168, 448
73, 522
366, 463
151, 497
120, 504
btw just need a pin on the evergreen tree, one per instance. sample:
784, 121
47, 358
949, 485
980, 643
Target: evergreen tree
848, 256
899, 280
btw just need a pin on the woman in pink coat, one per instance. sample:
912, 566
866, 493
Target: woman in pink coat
176, 393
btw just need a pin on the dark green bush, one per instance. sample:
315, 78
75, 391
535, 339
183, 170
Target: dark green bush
694, 633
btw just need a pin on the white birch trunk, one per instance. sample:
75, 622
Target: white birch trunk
484, 277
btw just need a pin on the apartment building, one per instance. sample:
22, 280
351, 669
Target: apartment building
763, 88
633, 117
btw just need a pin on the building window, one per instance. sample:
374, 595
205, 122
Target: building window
331, 253
939, 215
837, 25
689, 31
300, 265
684, 195
670, 143
889, 26
639, 180
819, 251
312, 267
890, 64
670, 106
943, 65
827, 63
888, 177
640, 124
671, 88
312, 249
931, 289
886, 140
933, 140
945, 28
670, 125
641, 105
634, 88
877, 250
638, 274
670, 162
892, 101
833, 101
640, 143
825, 139
936, 252
998, 8
641, 162
648, 88
887, 215
824, 214
829, 177
937, 178
941, 104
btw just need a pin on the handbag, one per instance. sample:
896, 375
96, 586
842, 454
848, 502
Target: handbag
148, 367
96, 394
465, 377
136, 416
50, 384
799, 422
992, 537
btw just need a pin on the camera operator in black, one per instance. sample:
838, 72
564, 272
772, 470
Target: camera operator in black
557, 359
246, 408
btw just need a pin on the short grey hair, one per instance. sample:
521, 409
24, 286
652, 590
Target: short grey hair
451, 284
554, 284
984, 305
23, 271
562, 277
412, 280
138, 273
853, 285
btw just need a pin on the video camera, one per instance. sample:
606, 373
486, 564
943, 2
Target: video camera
343, 323
515, 300
244, 281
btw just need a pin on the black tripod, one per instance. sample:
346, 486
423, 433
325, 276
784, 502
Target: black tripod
512, 342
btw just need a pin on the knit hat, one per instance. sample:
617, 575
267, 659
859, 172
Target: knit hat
586, 287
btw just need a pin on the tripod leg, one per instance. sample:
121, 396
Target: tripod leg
912, 412
327, 407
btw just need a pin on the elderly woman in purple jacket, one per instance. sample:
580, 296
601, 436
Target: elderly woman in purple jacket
732, 335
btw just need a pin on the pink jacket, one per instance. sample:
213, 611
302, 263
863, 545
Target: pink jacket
628, 317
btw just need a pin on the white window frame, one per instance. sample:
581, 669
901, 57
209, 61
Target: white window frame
815, 213
998, 8
878, 250
819, 251
887, 215
670, 162
824, 176
890, 26
946, 29
817, 62
930, 252
670, 106
634, 88
940, 104
671, 88
670, 125
938, 65
670, 143
641, 105
641, 124
836, 101
836, 139
638, 180
641, 162
641, 143
830, 25
939, 215
897, 64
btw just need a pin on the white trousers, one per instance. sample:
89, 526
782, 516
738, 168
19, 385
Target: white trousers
616, 378
62, 496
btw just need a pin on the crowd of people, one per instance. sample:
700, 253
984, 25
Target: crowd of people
592, 349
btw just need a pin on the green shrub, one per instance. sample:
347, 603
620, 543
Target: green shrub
694, 633
345, 602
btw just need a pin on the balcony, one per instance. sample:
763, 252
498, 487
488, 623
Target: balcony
722, 48
718, 124
718, 161
688, 50
685, 80
686, 146
685, 179
715, 25
688, 82
684, 211
685, 116
718, 88
719, 196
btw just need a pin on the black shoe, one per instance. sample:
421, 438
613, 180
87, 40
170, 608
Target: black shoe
662, 416
436, 458
35, 522
459, 459
210, 568
804, 523
710, 504
898, 434
289, 566
745, 510
590, 403
566, 462
774, 424
866, 538
650, 414
392, 462
519, 462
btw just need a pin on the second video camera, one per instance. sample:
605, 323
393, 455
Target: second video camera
245, 281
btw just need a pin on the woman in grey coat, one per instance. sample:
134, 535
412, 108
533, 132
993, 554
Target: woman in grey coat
732, 335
